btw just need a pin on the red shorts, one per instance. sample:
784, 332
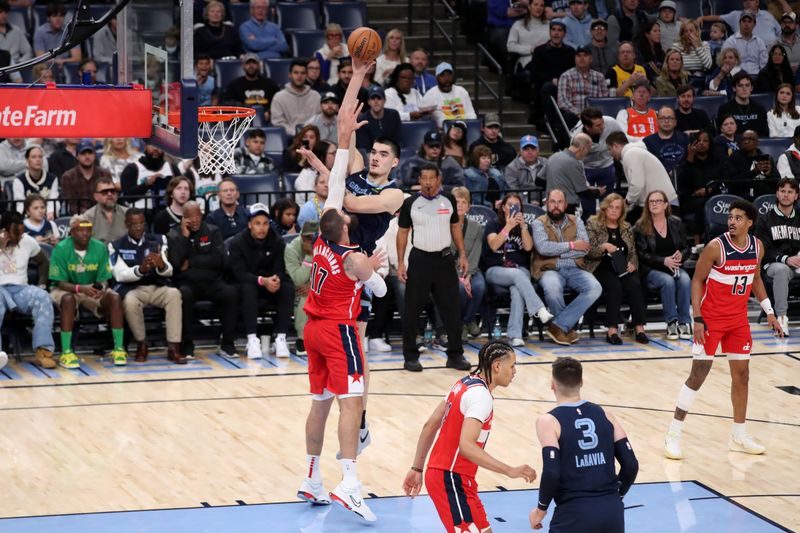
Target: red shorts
335, 361
735, 338
455, 497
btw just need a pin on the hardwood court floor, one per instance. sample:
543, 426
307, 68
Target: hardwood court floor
158, 436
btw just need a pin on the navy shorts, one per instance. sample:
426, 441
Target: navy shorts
600, 514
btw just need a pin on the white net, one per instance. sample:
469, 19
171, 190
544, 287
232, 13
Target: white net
217, 139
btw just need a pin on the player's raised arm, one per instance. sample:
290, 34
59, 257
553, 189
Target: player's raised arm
761, 294
547, 429
623, 451
412, 484
708, 258
359, 266
347, 123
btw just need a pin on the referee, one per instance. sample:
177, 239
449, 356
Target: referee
432, 213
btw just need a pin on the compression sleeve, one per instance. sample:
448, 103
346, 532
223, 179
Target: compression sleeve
628, 465
376, 284
551, 476
336, 180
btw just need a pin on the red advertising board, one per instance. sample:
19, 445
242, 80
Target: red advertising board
75, 112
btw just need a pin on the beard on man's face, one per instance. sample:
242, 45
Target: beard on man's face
555, 214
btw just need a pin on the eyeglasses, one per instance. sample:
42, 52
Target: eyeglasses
107, 191
656, 202
666, 118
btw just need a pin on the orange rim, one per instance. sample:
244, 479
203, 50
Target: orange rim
223, 113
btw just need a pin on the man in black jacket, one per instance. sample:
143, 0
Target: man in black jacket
502, 152
197, 254
779, 230
382, 122
748, 167
550, 60
256, 263
748, 114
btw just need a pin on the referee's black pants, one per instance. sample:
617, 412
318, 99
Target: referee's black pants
432, 274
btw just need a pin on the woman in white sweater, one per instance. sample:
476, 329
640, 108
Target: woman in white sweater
528, 33
697, 60
784, 117
394, 53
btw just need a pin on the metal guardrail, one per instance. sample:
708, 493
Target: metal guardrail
482, 53
434, 24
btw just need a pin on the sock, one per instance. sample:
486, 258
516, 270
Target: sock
314, 473
349, 476
66, 341
364, 419
738, 430
251, 336
117, 334
676, 426
280, 336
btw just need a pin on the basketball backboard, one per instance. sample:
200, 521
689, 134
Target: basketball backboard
155, 41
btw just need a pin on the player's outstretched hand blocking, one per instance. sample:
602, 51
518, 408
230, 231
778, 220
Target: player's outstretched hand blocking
347, 120
525, 472
379, 259
773, 323
412, 484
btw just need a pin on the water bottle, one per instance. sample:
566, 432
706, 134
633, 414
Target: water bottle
497, 332
427, 336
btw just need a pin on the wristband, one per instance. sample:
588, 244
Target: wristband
571, 245
699, 320
415, 469
77, 288
260, 281
504, 232
766, 305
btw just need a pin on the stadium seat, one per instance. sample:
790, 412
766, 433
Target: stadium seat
766, 100
689, 8
775, 146
277, 69
288, 179
412, 132
481, 214
252, 186
609, 106
239, 12
473, 129
349, 15
62, 223
658, 101
721, 7
301, 16
716, 212
227, 70
709, 104
531, 212
764, 203
305, 42
276, 139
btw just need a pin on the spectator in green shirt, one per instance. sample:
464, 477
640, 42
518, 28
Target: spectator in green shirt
79, 269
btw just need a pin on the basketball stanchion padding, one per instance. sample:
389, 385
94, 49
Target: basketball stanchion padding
218, 134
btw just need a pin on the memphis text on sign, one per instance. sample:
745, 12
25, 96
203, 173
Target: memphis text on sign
33, 116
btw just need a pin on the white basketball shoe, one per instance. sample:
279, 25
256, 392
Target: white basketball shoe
350, 499
313, 493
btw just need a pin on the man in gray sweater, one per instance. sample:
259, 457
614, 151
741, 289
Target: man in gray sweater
565, 172
297, 102
527, 170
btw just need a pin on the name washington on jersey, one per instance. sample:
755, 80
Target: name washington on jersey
330, 256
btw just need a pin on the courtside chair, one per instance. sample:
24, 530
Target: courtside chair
716, 211
764, 203
481, 214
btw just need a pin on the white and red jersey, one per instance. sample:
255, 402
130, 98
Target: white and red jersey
728, 285
469, 398
332, 295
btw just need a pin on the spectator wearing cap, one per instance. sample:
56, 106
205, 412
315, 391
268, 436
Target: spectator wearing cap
578, 23
256, 263
259, 35
528, 32
748, 114
14, 41
78, 184
549, 62
382, 123
502, 152
448, 100
252, 88
668, 22
626, 22
501, 15
626, 72
752, 49
325, 120
766, 26
107, 216
598, 164
297, 258
565, 172
482, 176
527, 170
604, 55
402, 96
334, 49
431, 153
216, 36
197, 254
455, 141
252, 159
229, 217
789, 39
638, 120
49, 36
297, 102
424, 80
577, 84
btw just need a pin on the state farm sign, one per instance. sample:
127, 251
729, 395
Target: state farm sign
93, 111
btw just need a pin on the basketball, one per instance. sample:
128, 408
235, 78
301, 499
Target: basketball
365, 44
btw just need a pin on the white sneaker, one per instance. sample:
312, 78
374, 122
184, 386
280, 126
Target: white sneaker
517, 342
747, 444
379, 345
364, 440
672, 331
254, 348
685, 332
783, 322
351, 500
544, 315
672, 445
3, 359
281, 348
313, 493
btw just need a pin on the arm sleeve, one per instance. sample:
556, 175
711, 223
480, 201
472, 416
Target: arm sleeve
337, 179
628, 465
551, 476
476, 403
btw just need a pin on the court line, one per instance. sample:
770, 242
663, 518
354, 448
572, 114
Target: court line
742, 506
395, 369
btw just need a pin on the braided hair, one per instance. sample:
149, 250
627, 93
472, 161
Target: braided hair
488, 354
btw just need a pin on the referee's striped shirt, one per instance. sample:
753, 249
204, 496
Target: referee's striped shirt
430, 220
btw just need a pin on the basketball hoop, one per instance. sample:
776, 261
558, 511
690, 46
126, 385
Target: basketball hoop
218, 134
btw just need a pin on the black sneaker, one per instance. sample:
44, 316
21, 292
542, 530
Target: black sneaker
413, 366
228, 350
440, 342
187, 349
459, 363
299, 347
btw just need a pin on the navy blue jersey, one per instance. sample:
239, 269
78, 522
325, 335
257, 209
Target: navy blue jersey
371, 226
587, 452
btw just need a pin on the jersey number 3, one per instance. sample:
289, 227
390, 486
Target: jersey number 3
589, 439
739, 286
318, 275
